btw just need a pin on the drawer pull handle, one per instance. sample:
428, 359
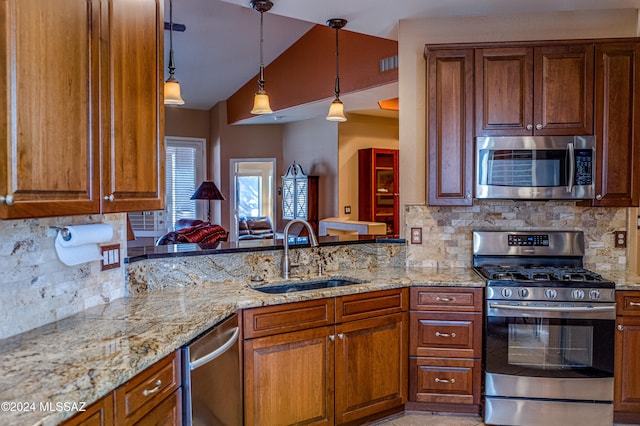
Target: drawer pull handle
438, 334
452, 381
634, 303
445, 299
147, 392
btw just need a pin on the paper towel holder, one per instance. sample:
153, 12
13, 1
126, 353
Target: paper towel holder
64, 231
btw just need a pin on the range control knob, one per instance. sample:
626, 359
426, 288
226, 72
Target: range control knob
506, 293
550, 293
523, 292
594, 294
577, 294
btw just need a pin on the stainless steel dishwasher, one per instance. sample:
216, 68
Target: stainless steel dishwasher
212, 383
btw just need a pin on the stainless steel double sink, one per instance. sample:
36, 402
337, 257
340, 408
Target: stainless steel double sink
317, 284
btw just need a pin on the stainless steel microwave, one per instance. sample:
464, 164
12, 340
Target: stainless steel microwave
535, 167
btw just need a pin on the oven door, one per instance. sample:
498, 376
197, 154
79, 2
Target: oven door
546, 351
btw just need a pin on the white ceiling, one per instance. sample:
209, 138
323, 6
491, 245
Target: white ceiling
219, 51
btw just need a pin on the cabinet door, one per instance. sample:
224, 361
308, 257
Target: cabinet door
450, 126
371, 366
627, 366
289, 378
133, 146
563, 90
445, 381
504, 91
617, 125
443, 334
49, 108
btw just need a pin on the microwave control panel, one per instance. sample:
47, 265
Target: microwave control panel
584, 167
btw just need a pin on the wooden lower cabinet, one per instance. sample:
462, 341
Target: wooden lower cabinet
332, 373
99, 413
445, 349
626, 401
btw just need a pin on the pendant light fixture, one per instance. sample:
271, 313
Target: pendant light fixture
171, 86
336, 110
261, 99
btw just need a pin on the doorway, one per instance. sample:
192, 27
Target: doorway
253, 189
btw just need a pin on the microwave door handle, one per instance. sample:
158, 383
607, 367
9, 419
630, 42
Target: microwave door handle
572, 166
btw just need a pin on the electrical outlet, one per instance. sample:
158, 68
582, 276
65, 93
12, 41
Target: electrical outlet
347, 209
416, 235
110, 256
621, 239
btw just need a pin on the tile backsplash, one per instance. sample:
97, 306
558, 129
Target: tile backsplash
36, 288
447, 231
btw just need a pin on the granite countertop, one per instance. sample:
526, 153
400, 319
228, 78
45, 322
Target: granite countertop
84, 357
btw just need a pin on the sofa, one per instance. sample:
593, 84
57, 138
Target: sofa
193, 231
252, 228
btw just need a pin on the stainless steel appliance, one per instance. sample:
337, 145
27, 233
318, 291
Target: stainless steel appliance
212, 377
549, 330
535, 167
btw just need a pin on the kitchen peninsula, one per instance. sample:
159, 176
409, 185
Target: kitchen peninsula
84, 357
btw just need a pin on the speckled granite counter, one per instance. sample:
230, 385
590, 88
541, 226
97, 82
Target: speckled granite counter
84, 357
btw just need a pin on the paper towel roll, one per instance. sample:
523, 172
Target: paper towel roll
80, 235
82, 245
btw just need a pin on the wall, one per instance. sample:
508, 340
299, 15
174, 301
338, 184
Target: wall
447, 231
359, 132
36, 288
242, 141
313, 144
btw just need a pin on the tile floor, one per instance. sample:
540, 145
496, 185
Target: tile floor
416, 418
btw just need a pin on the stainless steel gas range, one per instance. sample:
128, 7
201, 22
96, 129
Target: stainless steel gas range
549, 330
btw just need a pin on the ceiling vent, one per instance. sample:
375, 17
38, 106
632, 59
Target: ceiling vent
388, 64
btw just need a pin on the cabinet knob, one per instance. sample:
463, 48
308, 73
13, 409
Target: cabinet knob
620, 327
340, 336
332, 337
8, 200
538, 126
109, 197
529, 127
468, 196
599, 197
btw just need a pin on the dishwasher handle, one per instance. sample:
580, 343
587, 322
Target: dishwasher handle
215, 354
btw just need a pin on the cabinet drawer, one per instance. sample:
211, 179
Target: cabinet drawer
628, 302
276, 319
445, 381
446, 299
457, 335
145, 391
367, 305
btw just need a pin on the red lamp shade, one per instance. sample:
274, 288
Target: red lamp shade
207, 191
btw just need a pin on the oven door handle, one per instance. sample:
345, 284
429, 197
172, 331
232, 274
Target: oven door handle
553, 311
572, 166
567, 309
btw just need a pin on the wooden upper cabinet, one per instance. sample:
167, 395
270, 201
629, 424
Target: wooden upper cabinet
133, 127
545, 90
450, 126
617, 107
49, 114
81, 81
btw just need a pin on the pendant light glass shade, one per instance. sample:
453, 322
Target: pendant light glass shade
336, 111
261, 104
261, 99
171, 86
172, 93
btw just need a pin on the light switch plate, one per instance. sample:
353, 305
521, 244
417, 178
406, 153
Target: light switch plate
110, 256
347, 209
416, 235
